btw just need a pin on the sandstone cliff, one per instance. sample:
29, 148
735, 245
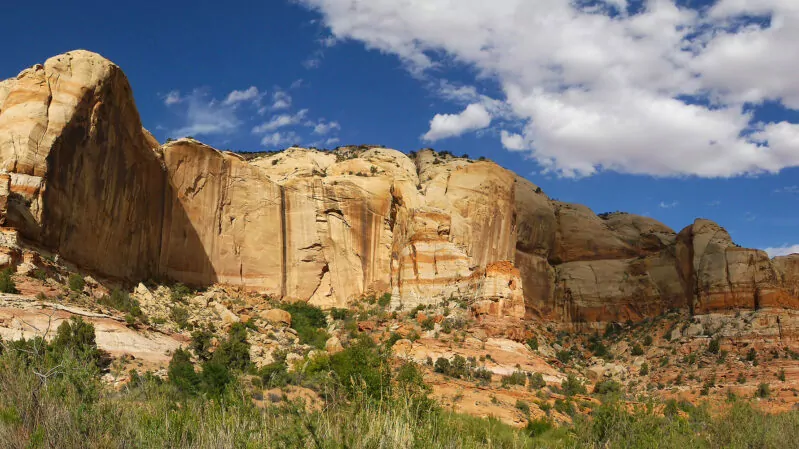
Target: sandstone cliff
82, 178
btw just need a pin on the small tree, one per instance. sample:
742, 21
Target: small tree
76, 283
7, 284
181, 372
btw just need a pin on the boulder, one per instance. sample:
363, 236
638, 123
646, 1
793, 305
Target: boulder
333, 345
276, 316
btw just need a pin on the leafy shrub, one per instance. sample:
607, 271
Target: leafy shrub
384, 300
648, 340
76, 336
751, 356
607, 387
763, 390
517, 378
564, 356
215, 377
76, 283
274, 374
644, 370
307, 321
360, 368
201, 344
537, 381
180, 316
571, 386
523, 406
179, 293
714, 346
181, 372
121, 300
428, 324
637, 350
234, 351
7, 284
538, 427
533, 343
340, 314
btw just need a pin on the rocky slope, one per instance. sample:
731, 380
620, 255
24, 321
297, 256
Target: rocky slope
82, 178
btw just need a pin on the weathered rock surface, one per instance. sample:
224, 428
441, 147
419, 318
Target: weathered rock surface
79, 176
84, 180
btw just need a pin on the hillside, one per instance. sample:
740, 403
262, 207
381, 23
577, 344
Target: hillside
341, 276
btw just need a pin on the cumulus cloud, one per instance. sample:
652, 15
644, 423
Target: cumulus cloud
280, 139
173, 97
238, 96
671, 205
474, 117
281, 100
206, 116
785, 250
280, 121
324, 127
665, 90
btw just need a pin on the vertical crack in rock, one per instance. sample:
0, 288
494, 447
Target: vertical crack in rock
284, 244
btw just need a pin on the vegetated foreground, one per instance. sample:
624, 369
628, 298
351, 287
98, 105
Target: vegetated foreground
221, 368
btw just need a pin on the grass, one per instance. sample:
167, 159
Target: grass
51, 395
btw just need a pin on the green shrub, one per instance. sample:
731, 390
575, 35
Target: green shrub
428, 324
340, 314
751, 356
215, 377
76, 283
180, 316
181, 372
384, 300
516, 378
201, 344
274, 374
607, 387
179, 293
121, 300
714, 346
360, 368
637, 350
234, 351
648, 340
307, 321
763, 390
571, 386
523, 406
7, 284
537, 381
538, 427
532, 343
644, 370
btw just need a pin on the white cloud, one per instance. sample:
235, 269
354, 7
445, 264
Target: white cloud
332, 141
513, 141
280, 121
474, 117
280, 139
238, 96
785, 250
173, 97
788, 189
206, 116
671, 205
281, 100
597, 88
323, 127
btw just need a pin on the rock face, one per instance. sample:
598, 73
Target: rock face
82, 177
79, 176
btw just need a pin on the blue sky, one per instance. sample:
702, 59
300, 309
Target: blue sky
673, 110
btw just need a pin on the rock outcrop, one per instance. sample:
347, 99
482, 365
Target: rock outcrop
80, 177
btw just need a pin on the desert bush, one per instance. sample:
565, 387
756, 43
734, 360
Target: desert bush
7, 284
76, 282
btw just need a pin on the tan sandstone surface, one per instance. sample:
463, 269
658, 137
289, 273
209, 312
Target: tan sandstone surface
82, 178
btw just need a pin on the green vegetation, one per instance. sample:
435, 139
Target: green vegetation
309, 322
179, 293
7, 284
121, 300
52, 396
76, 283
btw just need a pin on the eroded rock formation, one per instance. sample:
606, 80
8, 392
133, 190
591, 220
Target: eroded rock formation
82, 178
